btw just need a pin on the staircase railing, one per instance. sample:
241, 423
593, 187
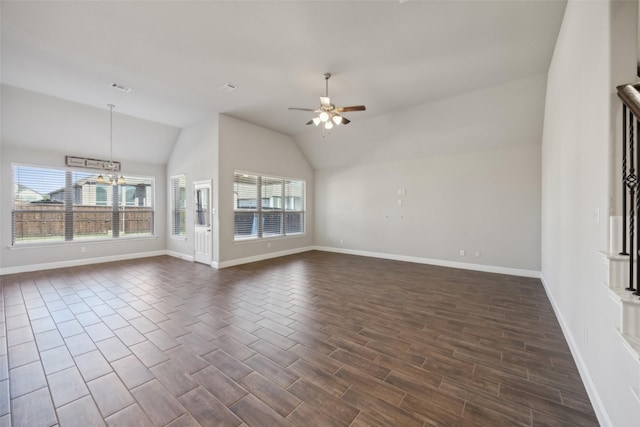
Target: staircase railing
630, 97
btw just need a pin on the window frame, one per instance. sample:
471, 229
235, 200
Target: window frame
260, 211
71, 207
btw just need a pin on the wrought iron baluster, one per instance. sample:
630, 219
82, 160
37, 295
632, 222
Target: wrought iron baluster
632, 183
630, 96
637, 208
624, 181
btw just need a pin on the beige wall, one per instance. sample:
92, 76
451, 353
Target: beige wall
251, 148
486, 201
213, 149
196, 156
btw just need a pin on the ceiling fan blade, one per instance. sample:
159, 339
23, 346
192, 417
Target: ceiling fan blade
354, 108
345, 121
310, 122
325, 101
302, 109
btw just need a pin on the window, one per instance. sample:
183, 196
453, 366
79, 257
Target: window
178, 188
101, 194
51, 204
267, 206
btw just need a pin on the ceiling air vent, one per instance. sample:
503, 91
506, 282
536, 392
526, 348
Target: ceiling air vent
229, 87
120, 87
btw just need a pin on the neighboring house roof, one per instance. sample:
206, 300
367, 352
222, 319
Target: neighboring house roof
26, 194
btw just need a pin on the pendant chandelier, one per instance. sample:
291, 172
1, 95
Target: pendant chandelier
112, 175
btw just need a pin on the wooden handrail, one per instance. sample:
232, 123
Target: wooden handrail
630, 95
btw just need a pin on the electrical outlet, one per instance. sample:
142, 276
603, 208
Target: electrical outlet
461, 252
83, 249
477, 254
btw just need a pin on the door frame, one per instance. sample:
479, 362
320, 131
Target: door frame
197, 185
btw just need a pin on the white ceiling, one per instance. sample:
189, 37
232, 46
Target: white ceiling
176, 54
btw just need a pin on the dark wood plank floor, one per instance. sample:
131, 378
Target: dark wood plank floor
316, 339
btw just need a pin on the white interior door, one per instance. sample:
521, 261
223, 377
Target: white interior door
203, 237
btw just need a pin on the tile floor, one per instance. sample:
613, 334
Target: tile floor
315, 339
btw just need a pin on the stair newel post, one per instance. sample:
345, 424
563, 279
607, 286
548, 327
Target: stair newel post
624, 181
632, 182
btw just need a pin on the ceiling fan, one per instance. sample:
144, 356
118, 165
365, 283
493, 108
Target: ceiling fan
328, 114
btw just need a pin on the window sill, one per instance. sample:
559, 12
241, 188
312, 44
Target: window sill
263, 239
80, 242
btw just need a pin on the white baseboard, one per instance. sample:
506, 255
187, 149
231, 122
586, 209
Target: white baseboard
239, 261
395, 257
180, 255
596, 401
438, 262
77, 262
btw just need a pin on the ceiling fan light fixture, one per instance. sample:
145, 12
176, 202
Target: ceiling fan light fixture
100, 179
328, 114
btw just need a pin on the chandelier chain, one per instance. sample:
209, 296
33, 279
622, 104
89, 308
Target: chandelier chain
111, 107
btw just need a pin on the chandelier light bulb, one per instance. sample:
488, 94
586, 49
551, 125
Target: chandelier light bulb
324, 116
316, 121
328, 125
337, 119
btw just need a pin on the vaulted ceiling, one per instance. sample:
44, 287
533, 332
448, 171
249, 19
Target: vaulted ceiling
176, 55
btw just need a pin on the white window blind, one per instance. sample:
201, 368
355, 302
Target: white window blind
38, 204
294, 206
178, 205
52, 204
267, 206
245, 192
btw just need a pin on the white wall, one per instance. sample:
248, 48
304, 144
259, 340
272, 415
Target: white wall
595, 52
470, 170
40, 130
251, 148
196, 156
484, 201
